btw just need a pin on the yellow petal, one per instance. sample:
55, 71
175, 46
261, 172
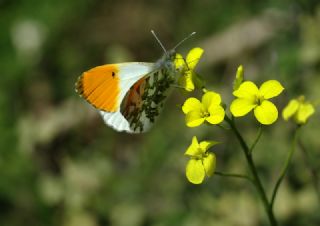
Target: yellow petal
193, 57
209, 164
191, 104
194, 149
179, 62
271, 88
195, 171
266, 113
290, 109
194, 118
205, 145
241, 107
239, 78
210, 98
246, 90
304, 112
186, 81
216, 114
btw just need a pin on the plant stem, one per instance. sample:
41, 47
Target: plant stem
257, 139
256, 179
240, 176
285, 168
313, 171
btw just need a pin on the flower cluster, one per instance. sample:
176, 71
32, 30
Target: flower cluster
209, 109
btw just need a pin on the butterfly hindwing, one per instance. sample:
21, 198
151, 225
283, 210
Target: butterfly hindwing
145, 99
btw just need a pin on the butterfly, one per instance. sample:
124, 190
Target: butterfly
130, 96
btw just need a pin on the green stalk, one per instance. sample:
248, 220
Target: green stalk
314, 174
253, 170
285, 168
257, 139
240, 176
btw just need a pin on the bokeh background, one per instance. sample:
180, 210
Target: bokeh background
59, 163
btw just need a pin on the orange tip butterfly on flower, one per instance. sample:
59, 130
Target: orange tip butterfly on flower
130, 96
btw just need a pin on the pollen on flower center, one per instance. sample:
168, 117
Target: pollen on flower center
259, 99
200, 155
205, 114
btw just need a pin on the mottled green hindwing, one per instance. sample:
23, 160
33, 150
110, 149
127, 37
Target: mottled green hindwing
145, 99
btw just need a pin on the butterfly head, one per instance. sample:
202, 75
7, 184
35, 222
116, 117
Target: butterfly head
167, 61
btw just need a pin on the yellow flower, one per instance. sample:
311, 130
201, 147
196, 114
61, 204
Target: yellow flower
209, 109
201, 162
252, 98
189, 79
299, 110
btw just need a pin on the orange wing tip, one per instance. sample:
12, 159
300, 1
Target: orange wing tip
100, 87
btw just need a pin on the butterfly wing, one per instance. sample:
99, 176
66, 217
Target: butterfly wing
144, 101
105, 86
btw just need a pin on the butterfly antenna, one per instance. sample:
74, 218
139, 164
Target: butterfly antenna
158, 40
183, 40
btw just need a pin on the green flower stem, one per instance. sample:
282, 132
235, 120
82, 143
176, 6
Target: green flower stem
314, 174
255, 176
257, 139
222, 126
240, 176
285, 168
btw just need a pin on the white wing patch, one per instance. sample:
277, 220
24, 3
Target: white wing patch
116, 121
130, 73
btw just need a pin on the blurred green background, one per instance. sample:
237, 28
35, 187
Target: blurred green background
59, 163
